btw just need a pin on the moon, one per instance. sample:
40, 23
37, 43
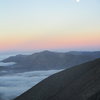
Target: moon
77, 0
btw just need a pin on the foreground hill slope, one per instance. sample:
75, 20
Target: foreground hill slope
47, 60
81, 82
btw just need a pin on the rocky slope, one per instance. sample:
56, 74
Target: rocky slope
81, 82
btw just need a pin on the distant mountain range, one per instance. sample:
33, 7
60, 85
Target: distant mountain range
47, 60
81, 82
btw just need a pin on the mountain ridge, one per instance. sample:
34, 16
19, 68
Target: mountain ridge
47, 60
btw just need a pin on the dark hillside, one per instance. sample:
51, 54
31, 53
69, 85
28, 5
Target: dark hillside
81, 82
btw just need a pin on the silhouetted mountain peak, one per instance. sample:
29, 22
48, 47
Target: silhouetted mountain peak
46, 51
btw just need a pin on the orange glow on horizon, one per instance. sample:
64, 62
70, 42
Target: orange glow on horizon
50, 41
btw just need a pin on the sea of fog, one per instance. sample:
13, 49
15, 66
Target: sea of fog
3, 57
12, 86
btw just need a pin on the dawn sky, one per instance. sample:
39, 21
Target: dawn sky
49, 24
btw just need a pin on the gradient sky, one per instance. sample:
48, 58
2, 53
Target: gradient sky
49, 24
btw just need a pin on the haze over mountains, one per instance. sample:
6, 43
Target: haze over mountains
81, 82
33, 68
47, 60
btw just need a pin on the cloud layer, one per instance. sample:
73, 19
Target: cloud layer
14, 85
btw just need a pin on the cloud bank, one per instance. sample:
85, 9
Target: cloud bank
13, 85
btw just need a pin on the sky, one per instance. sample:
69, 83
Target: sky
49, 24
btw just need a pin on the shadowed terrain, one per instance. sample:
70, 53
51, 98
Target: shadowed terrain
48, 60
81, 82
